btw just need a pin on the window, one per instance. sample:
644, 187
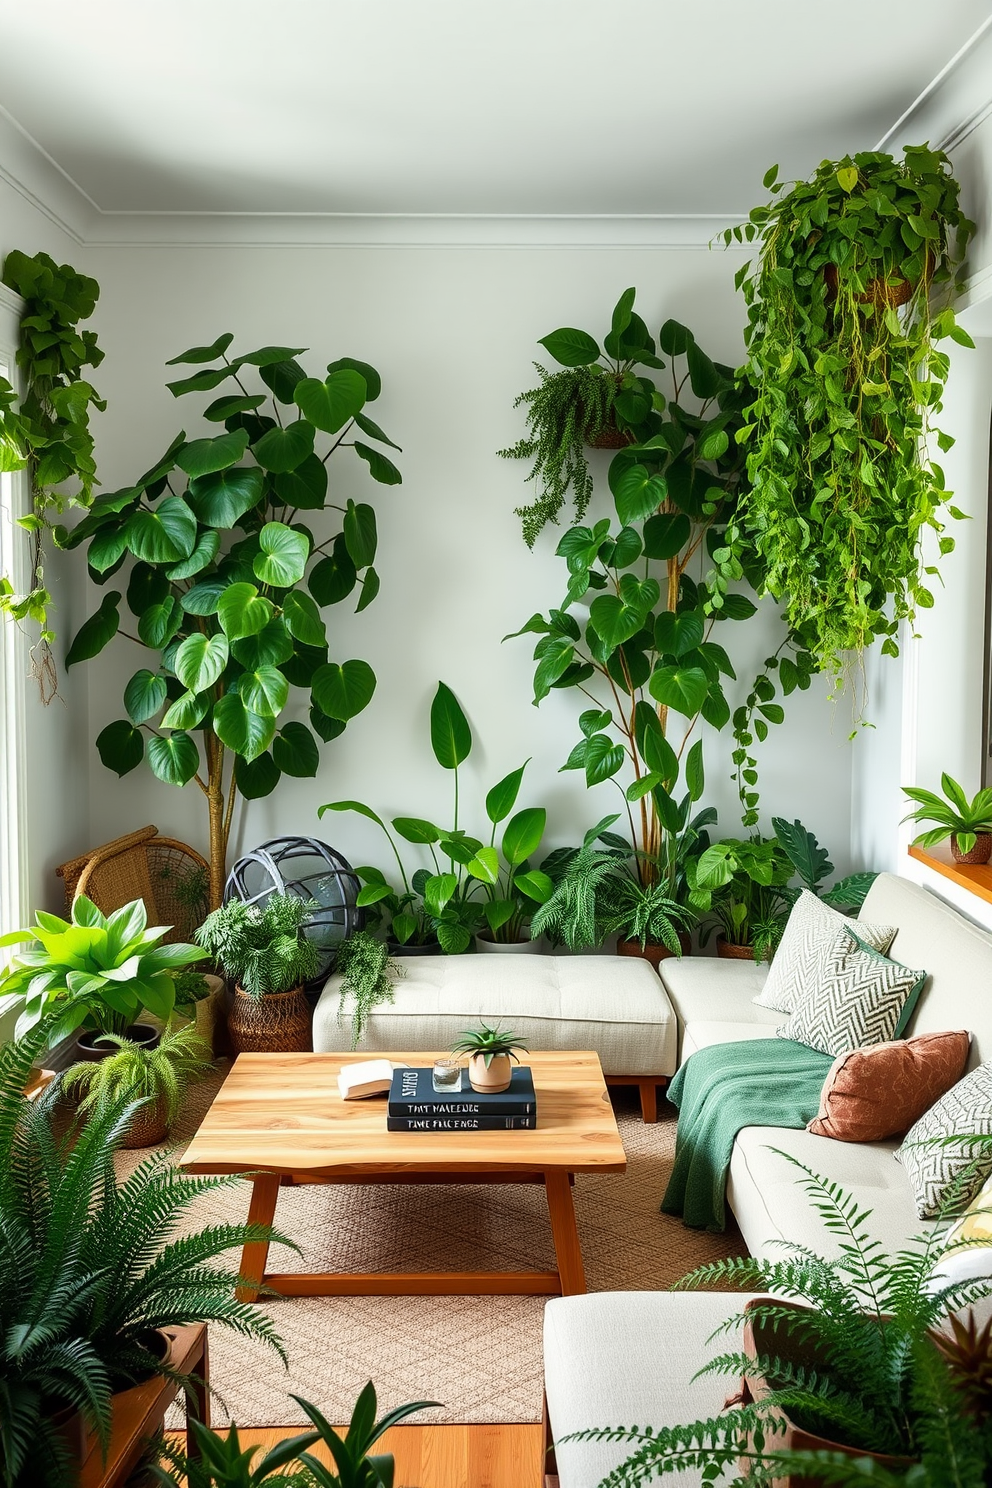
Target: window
14, 664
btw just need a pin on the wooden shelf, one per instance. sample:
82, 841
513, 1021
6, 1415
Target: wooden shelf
974, 879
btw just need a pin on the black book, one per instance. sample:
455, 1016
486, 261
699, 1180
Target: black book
412, 1094
460, 1123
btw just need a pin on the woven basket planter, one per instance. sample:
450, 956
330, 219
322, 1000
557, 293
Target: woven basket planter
727, 951
278, 1023
610, 438
148, 1127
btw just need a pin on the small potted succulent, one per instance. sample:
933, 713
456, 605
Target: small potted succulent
264, 950
967, 823
156, 1076
491, 1051
106, 970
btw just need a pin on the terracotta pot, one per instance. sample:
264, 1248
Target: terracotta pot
980, 853
492, 1080
727, 951
510, 947
90, 1048
611, 438
761, 1339
278, 1023
654, 951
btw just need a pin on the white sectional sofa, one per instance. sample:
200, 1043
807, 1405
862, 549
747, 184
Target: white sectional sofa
625, 1357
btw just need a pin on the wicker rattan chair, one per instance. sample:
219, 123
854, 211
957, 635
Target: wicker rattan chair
164, 873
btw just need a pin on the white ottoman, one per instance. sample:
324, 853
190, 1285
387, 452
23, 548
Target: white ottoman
615, 1005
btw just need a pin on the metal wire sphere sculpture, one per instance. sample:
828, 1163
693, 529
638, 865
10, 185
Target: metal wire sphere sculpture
311, 870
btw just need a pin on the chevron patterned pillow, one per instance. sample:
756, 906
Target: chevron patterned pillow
857, 998
812, 926
946, 1176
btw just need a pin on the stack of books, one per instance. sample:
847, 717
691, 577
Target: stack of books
414, 1105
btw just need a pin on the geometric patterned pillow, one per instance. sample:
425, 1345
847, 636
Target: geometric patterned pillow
857, 999
811, 926
945, 1176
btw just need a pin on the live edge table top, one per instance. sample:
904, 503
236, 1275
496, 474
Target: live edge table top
282, 1113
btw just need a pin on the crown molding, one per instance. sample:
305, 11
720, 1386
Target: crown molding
953, 103
11, 301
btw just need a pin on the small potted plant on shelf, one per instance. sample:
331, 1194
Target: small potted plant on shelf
156, 1077
968, 824
102, 971
491, 1050
265, 951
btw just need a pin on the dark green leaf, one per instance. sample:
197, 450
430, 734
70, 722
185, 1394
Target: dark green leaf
239, 728
503, 797
677, 634
267, 356
570, 347
370, 588
603, 758
160, 622
306, 486
107, 548
120, 746
681, 688
334, 577
144, 695
330, 404
270, 646
674, 338
451, 736
206, 550
221, 499
638, 494
204, 598
343, 690
372, 429
282, 450
204, 353
146, 586
381, 469
175, 759
295, 751
200, 382
223, 408
695, 778
327, 728
205, 456
282, 377
523, 835
164, 535
666, 534
97, 631
373, 381
258, 777
360, 534
303, 620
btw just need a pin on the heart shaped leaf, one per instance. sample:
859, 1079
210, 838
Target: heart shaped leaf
175, 759
221, 499
281, 450
204, 456
249, 734
144, 695
163, 535
343, 690
201, 660
242, 611
330, 404
284, 555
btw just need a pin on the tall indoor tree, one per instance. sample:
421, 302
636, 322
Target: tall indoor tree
229, 567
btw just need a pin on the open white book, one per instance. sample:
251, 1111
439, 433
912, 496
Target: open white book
370, 1077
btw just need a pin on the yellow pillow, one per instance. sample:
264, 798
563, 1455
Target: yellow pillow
967, 1252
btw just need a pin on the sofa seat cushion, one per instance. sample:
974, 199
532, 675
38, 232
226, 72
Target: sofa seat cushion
717, 991
625, 1359
615, 1005
770, 1206
701, 1033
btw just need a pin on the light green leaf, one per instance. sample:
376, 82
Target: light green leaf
503, 797
523, 835
681, 688
265, 691
175, 759
242, 611
485, 865
187, 712
284, 555
303, 620
201, 660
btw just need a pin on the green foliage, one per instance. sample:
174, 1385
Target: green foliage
487, 1043
790, 667
953, 815
231, 563
635, 634
48, 430
98, 971
842, 351
222, 1462
133, 1073
445, 903
877, 1379
368, 974
191, 987
262, 947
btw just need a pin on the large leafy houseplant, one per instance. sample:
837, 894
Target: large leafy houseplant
844, 318
47, 431
848, 1347
644, 652
450, 895
231, 564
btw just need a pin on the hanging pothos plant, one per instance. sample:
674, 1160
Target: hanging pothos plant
598, 400
47, 431
843, 321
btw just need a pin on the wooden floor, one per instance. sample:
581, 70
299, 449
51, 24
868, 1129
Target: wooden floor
446, 1456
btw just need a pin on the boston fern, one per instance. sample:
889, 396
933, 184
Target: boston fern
880, 1381
368, 974
262, 946
843, 321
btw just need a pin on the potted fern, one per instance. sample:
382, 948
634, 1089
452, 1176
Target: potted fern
155, 1077
264, 950
968, 824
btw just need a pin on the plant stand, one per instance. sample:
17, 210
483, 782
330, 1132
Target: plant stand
139, 1412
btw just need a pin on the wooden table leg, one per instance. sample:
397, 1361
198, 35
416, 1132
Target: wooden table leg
565, 1233
261, 1210
649, 1101
198, 1399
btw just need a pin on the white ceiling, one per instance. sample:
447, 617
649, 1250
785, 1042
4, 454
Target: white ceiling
460, 106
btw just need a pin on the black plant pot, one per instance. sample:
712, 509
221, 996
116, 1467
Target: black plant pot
92, 1046
429, 948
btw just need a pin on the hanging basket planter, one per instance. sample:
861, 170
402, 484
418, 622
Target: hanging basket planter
610, 437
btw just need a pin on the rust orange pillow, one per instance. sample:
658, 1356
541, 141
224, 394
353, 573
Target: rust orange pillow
880, 1091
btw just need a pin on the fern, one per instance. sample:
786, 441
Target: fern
569, 916
139, 1074
263, 947
368, 976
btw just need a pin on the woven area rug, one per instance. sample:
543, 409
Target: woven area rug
481, 1356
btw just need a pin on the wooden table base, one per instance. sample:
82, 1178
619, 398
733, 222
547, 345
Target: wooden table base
568, 1280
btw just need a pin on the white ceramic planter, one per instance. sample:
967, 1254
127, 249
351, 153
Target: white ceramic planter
510, 947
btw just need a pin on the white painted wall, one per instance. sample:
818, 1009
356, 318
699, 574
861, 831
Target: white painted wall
453, 332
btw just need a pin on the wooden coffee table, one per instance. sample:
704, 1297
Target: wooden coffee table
278, 1118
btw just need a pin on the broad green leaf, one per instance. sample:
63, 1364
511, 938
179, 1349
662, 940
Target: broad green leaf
343, 690
498, 912
175, 759
265, 691
360, 534
160, 622
438, 890
106, 548
187, 712
146, 586
224, 408
535, 884
356, 806
737, 607
204, 353
503, 797
97, 631
295, 751
284, 555
485, 865
416, 829
242, 611
705, 380
258, 777
200, 382
205, 456
282, 377
267, 356
666, 534
847, 178
206, 550
381, 469
330, 404
681, 688
327, 728
270, 646
201, 660
120, 746
638, 494
144, 695
659, 756
621, 312
603, 758
451, 736
554, 663
164, 535
523, 835
373, 381
614, 621
570, 347
203, 598
303, 620
334, 577
677, 634
281, 450
674, 338
236, 726
306, 486
221, 499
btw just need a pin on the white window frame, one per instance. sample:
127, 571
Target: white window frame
14, 667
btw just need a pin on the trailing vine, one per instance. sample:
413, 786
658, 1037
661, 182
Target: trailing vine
47, 432
759, 710
841, 337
